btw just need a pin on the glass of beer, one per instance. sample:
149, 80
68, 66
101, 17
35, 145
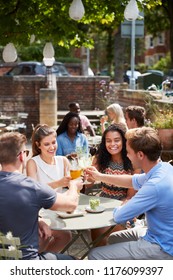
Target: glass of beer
75, 169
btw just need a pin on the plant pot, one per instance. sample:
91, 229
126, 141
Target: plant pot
166, 138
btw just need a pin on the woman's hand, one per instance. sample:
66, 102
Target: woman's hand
64, 182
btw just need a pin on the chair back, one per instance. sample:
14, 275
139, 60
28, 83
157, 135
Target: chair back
9, 248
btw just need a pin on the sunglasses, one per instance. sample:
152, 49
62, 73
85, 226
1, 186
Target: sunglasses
25, 151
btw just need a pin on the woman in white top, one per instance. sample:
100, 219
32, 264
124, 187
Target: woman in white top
46, 167
115, 115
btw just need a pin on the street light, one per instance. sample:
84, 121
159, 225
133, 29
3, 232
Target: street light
76, 10
131, 13
48, 60
9, 53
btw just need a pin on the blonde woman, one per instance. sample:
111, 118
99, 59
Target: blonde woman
115, 115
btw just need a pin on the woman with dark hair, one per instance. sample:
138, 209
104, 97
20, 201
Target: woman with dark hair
70, 137
111, 158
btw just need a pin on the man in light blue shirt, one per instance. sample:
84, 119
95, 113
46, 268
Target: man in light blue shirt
154, 197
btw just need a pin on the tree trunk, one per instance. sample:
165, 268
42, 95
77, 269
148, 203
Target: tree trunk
119, 56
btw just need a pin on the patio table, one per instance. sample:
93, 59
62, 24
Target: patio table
85, 222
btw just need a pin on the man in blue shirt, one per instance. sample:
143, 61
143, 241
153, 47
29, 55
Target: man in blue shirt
154, 197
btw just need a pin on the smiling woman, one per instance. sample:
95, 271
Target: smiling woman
112, 159
47, 168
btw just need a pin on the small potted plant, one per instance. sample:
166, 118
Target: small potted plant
163, 122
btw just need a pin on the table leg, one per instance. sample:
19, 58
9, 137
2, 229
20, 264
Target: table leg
97, 240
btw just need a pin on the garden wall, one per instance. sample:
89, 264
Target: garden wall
22, 94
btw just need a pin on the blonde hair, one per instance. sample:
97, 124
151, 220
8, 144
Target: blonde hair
118, 111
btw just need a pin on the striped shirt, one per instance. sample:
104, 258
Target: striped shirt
112, 191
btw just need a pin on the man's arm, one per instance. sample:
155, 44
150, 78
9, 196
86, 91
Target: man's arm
91, 130
117, 180
68, 201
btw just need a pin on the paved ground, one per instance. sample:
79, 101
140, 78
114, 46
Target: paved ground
78, 249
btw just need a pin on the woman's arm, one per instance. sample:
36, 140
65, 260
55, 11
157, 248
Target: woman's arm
31, 169
64, 181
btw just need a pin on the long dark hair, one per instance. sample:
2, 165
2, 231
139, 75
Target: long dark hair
104, 157
64, 124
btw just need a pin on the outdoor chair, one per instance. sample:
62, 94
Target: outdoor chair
9, 248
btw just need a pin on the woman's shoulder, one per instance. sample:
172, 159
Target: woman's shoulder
59, 158
61, 135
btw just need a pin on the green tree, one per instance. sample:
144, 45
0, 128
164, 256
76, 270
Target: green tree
49, 20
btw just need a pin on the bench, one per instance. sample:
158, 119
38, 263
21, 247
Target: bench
93, 116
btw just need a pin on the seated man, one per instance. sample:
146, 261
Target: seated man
21, 198
154, 198
135, 116
86, 125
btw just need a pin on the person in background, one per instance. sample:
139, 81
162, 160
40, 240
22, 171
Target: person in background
111, 158
74, 107
135, 116
47, 168
154, 197
21, 198
70, 137
115, 115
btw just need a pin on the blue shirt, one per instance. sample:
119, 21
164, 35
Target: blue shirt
67, 146
155, 199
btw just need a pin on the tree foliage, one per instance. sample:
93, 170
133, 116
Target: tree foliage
49, 20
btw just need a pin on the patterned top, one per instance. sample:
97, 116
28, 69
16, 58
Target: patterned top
112, 191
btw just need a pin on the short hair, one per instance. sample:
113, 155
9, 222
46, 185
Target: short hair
72, 105
11, 144
39, 133
138, 113
145, 139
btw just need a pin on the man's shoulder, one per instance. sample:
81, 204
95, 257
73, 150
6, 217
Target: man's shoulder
83, 117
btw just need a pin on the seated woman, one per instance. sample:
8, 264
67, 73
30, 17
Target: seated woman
70, 137
115, 116
46, 167
111, 158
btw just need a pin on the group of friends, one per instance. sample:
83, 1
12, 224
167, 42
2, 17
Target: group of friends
128, 165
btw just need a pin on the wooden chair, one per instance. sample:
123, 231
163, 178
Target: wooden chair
6, 251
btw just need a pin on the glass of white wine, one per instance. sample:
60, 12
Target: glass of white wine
84, 162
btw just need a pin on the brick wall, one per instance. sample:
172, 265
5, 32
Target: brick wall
22, 94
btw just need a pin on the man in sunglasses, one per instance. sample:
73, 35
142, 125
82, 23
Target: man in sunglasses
21, 198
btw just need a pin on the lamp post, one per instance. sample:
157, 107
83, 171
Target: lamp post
9, 53
48, 103
131, 13
48, 60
